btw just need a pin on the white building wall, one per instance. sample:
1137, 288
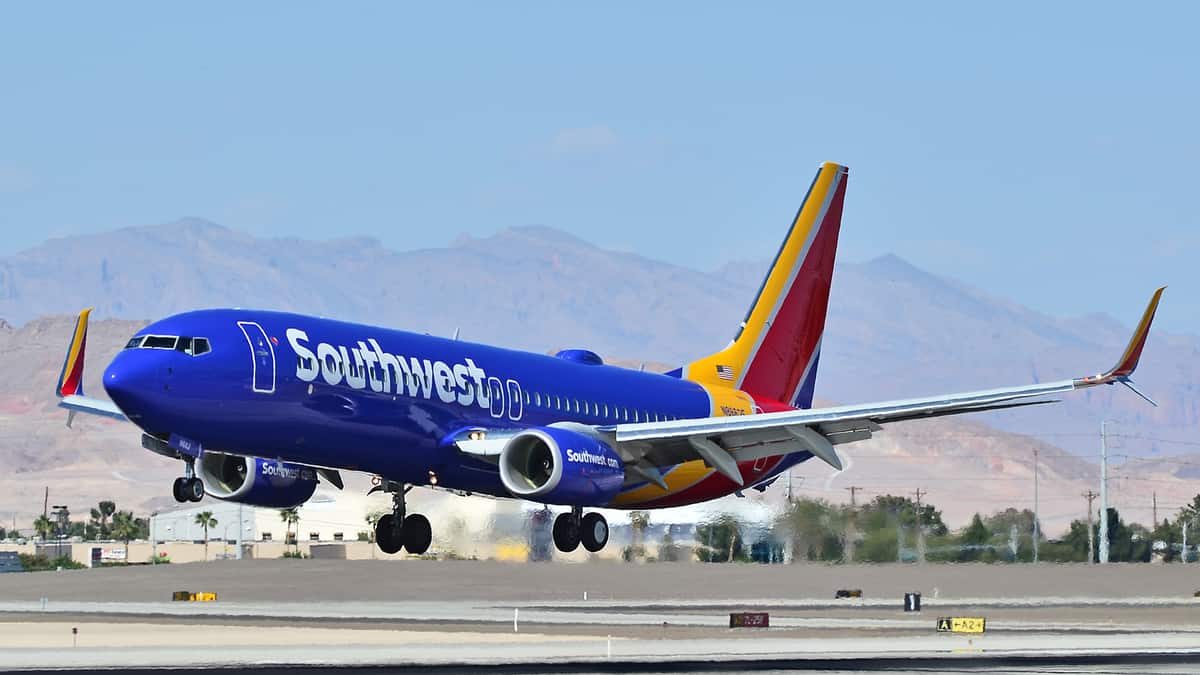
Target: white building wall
325, 515
181, 525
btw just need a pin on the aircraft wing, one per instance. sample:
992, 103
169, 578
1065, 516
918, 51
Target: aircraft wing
722, 442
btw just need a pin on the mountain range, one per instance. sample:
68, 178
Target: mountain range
893, 331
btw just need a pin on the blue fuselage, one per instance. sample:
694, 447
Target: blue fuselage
341, 395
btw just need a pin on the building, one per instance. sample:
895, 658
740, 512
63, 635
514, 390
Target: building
327, 517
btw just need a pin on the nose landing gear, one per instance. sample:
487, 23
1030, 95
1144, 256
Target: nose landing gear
188, 488
398, 529
575, 528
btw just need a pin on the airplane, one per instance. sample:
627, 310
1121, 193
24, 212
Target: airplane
261, 405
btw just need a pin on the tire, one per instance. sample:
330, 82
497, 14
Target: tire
387, 537
178, 491
566, 533
593, 533
194, 489
417, 534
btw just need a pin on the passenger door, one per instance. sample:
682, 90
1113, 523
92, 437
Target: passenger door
262, 357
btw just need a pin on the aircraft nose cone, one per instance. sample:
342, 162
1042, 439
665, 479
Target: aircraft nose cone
128, 383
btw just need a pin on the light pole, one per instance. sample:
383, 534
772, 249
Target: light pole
241, 530
1104, 492
1035, 505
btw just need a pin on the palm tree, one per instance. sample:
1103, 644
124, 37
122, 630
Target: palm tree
44, 527
124, 527
290, 517
205, 519
100, 517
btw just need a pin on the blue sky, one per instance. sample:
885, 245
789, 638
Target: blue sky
1045, 152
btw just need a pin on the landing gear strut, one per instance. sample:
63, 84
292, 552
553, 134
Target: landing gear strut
398, 529
575, 528
188, 488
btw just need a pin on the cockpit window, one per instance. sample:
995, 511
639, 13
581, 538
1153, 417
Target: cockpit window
192, 346
159, 342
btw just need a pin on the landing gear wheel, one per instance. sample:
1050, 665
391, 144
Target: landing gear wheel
389, 537
178, 491
566, 532
594, 532
417, 534
194, 488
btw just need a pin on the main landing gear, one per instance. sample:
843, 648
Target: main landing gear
397, 529
574, 528
188, 488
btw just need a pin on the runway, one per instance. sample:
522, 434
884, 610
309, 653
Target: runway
635, 618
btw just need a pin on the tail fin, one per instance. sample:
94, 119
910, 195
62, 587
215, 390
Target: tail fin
774, 354
70, 382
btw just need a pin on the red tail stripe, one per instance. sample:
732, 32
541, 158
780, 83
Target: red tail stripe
786, 350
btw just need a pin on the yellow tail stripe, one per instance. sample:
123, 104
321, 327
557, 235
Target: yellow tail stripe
737, 355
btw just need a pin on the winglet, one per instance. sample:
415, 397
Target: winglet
1133, 351
70, 382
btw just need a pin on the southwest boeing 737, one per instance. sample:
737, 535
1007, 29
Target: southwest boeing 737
261, 405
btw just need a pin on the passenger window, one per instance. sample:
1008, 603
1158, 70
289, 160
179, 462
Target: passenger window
576, 402
606, 410
537, 398
526, 398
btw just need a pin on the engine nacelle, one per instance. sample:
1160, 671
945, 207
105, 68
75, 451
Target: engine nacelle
560, 466
256, 481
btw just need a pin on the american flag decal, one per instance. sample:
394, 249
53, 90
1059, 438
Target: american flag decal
725, 372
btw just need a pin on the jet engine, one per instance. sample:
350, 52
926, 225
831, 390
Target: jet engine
256, 481
560, 466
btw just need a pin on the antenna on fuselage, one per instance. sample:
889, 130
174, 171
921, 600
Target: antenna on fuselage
456, 330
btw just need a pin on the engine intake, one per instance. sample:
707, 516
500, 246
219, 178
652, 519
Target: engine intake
560, 466
256, 481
